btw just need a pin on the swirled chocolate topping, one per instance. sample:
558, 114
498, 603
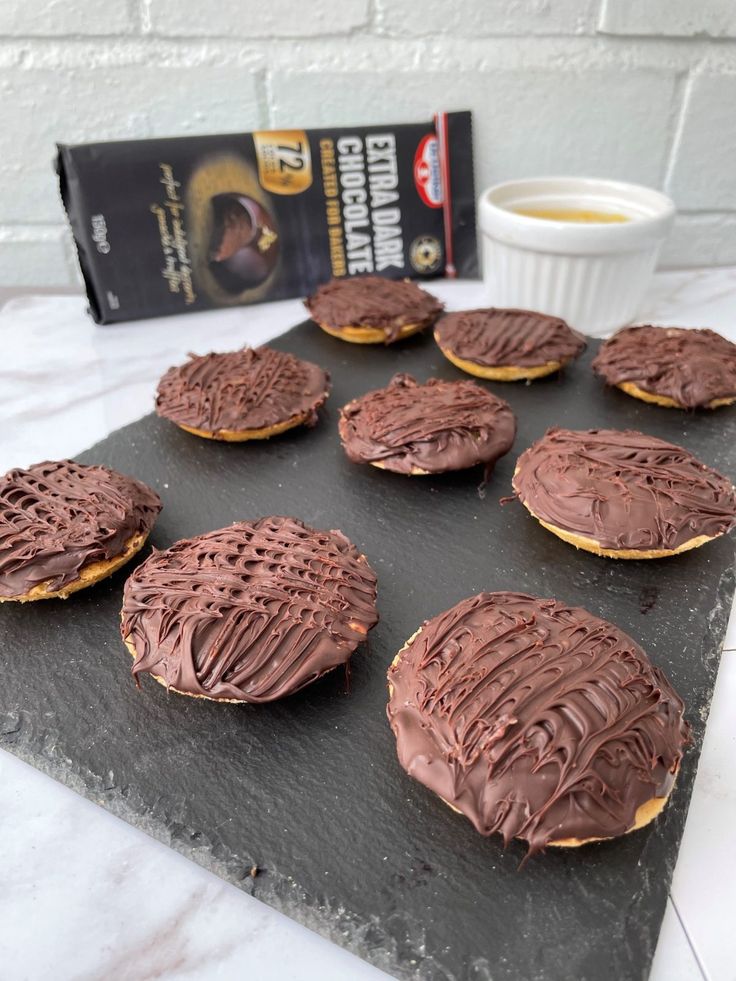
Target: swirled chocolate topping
624, 489
251, 612
500, 338
236, 391
692, 367
58, 517
437, 426
535, 719
372, 301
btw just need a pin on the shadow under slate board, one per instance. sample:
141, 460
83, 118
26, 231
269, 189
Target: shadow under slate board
309, 789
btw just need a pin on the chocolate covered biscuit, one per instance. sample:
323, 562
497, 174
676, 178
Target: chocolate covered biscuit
241, 395
623, 494
507, 345
670, 366
65, 526
536, 720
248, 613
372, 310
414, 428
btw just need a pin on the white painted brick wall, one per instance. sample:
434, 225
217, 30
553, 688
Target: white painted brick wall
61, 18
527, 121
256, 18
641, 90
484, 19
704, 167
71, 104
669, 18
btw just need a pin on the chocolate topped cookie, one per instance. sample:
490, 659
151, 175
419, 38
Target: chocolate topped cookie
623, 494
507, 345
536, 720
430, 428
64, 526
248, 613
372, 310
239, 395
670, 366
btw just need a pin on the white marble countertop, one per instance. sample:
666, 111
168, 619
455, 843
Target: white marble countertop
85, 896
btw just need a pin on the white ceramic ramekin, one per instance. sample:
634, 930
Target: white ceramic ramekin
593, 275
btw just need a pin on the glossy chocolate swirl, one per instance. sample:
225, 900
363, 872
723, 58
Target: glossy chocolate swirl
623, 489
434, 427
372, 301
691, 367
251, 612
237, 391
59, 516
534, 719
508, 338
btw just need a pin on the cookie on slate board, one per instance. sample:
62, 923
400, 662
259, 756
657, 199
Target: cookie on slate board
507, 345
419, 429
372, 310
236, 396
536, 720
65, 526
623, 494
248, 613
670, 366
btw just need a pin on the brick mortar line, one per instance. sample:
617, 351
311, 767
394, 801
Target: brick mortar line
405, 61
601, 39
365, 53
263, 95
143, 16
268, 95
676, 123
679, 130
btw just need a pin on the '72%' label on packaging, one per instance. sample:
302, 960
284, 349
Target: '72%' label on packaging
284, 161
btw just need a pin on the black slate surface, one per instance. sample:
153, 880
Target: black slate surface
309, 789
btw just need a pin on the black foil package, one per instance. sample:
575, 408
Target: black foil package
192, 223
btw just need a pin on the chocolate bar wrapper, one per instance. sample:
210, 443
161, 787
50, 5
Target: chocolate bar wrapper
193, 223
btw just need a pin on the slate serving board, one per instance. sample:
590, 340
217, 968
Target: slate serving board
309, 789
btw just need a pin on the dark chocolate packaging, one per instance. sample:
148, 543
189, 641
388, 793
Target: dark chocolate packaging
193, 223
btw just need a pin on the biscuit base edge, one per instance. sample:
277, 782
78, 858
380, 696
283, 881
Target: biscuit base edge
89, 574
244, 435
632, 389
354, 334
501, 372
414, 472
162, 681
645, 814
592, 546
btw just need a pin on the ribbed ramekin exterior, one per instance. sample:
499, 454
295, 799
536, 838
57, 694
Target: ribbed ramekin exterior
593, 293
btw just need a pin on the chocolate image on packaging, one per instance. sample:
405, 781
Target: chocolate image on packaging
234, 239
168, 226
244, 245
